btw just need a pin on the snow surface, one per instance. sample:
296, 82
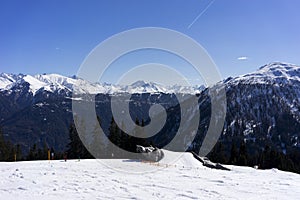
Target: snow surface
182, 178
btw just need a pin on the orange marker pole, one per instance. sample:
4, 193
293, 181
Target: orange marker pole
49, 155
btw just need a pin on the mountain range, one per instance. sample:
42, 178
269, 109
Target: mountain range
262, 107
57, 83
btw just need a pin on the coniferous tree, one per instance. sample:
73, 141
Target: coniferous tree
8, 151
126, 139
218, 153
33, 153
76, 149
19, 155
139, 135
144, 141
97, 140
221, 152
11, 151
136, 140
114, 136
4, 151
265, 158
233, 154
242, 155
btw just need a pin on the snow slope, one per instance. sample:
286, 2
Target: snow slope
6, 80
182, 178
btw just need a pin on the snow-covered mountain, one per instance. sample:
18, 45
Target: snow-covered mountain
274, 81
263, 107
263, 110
8, 80
56, 83
275, 72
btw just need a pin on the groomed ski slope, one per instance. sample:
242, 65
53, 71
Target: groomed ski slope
177, 176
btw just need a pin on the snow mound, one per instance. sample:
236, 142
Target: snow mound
180, 159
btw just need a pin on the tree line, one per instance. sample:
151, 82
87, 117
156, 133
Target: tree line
242, 154
8, 151
238, 152
115, 134
75, 149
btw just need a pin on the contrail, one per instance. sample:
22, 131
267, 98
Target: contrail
207, 7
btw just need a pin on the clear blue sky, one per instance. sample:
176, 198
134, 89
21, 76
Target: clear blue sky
44, 36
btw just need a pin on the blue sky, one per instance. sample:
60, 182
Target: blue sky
55, 36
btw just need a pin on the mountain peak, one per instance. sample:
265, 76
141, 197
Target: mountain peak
139, 83
278, 65
281, 70
275, 72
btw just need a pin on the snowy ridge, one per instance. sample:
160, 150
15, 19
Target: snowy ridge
7, 79
55, 82
276, 72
